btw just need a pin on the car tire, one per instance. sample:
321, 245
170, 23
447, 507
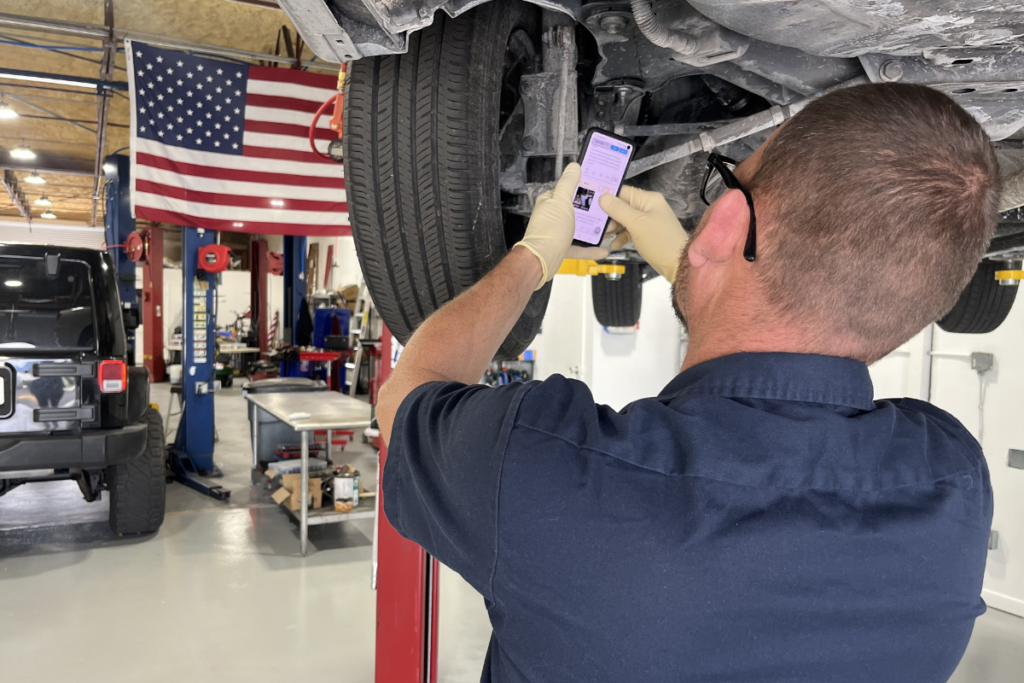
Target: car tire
983, 305
138, 486
617, 302
422, 161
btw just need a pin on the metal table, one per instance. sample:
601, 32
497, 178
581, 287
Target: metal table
305, 413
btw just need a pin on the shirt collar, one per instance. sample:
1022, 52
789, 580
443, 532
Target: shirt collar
800, 377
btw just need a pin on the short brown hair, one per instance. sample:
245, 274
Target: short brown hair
878, 203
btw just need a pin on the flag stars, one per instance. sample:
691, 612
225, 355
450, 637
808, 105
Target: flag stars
234, 145
199, 105
220, 72
152, 122
181, 63
200, 67
150, 85
159, 59
227, 118
142, 110
216, 143
227, 100
219, 89
189, 112
142, 128
143, 73
199, 141
170, 126
217, 107
226, 136
181, 101
209, 79
159, 114
159, 79
179, 138
209, 114
189, 74
209, 133
138, 53
149, 67
170, 90
238, 74
188, 94
237, 110
209, 97
181, 120
189, 131
236, 129
238, 93
217, 126
181, 82
229, 81
160, 97
170, 70
160, 133
199, 86
170, 107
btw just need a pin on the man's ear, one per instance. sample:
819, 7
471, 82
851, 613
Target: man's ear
724, 233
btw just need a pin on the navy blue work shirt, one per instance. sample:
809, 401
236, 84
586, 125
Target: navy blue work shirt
762, 519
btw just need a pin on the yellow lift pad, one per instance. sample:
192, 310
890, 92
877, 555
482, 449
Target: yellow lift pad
582, 267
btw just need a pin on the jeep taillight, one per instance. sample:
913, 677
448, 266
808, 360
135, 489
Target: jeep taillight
113, 376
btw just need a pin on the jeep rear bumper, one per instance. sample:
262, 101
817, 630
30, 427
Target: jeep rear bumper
93, 449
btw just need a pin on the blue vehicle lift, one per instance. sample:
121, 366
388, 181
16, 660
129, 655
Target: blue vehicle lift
192, 450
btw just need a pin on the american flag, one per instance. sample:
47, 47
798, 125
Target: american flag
225, 146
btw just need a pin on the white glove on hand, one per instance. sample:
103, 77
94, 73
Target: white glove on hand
552, 224
646, 219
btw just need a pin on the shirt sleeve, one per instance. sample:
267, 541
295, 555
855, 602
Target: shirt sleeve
443, 472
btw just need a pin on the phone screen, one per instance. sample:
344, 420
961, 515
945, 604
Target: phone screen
604, 166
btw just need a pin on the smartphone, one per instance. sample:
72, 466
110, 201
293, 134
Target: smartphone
604, 160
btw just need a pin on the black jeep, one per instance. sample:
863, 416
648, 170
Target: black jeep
70, 405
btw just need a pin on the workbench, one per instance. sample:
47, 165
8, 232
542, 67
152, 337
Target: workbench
306, 413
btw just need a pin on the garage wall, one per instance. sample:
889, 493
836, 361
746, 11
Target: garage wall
618, 368
46, 232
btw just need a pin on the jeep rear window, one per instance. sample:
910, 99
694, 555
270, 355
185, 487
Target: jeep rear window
43, 312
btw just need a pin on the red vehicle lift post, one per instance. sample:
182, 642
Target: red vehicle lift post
406, 579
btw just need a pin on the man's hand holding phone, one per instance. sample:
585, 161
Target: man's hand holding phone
550, 231
646, 219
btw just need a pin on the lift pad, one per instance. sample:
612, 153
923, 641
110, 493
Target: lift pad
582, 267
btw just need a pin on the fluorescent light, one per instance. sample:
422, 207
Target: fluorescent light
277, 202
13, 283
6, 112
47, 214
35, 179
43, 201
22, 152
46, 79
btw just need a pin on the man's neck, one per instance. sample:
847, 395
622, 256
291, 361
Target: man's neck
727, 335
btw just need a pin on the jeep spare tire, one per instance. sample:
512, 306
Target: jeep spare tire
422, 163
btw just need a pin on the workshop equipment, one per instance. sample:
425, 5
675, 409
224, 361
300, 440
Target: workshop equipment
268, 432
307, 412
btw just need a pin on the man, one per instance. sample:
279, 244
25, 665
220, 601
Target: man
762, 519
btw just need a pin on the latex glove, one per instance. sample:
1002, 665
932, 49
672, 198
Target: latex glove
552, 224
646, 219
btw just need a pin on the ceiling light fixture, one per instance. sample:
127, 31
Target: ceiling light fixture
22, 152
12, 283
35, 179
6, 112
47, 214
43, 201
90, 85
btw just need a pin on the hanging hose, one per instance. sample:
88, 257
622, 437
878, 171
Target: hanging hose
338, 101
658, 33
312, 126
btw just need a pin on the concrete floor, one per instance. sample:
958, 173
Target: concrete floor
220, 593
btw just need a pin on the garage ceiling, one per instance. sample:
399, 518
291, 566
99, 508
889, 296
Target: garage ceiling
59, 122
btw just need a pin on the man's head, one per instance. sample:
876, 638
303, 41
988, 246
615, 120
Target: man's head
874, 206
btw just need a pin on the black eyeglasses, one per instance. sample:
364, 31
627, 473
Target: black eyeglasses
718, 178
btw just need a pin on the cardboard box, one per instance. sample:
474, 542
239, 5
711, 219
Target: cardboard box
290, 493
